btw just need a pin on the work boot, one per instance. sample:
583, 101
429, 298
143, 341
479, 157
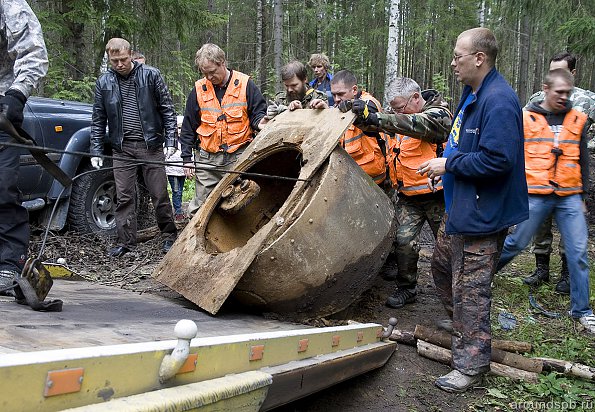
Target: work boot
456, 381
563, 285
401, 297
542, 271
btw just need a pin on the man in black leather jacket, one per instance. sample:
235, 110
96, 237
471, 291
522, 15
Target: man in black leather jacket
133, 100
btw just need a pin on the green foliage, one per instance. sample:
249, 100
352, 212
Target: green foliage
439, 83
559, 338
579, 31
350, 56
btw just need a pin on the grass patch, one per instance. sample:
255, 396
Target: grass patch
560, 338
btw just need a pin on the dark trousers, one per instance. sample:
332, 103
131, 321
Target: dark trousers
125, 176
463, 268
14, 219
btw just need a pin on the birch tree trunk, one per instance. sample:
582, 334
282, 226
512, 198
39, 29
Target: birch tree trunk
260, 64
278, 44
524, 42
392, 49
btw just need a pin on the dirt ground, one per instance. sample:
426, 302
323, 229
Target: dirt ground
405, 383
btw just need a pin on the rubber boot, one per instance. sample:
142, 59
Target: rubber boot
542, 271
563, 285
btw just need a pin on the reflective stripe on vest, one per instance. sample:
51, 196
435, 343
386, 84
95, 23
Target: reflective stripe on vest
365, 149
544, 174
224, 126
404, 155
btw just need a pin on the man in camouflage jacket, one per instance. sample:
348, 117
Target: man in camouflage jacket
23, 63
422, 116
583, 101
298, 93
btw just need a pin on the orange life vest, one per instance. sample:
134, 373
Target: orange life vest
365, 149
225, 126
544, 174
404, 154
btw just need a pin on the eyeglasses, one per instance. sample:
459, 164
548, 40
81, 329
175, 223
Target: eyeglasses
456, 57
401, 108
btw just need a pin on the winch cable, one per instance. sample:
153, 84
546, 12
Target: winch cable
153, 162
128, 160
533, 302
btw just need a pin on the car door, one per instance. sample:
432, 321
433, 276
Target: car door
31, 173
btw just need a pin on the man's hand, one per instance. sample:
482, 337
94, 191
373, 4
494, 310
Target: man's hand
274, 109
432, 183
345, 105
169, 152
318, 104
189, 169
97, 162
433, 167
294, 105
360, 108
13, 103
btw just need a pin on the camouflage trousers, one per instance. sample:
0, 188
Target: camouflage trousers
543, 239
412, 212
463, 267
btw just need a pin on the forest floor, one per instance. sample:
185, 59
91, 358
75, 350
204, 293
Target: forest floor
406, 382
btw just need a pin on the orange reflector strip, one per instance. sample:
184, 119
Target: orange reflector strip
63, 381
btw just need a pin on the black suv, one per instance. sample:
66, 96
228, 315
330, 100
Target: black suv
89, 204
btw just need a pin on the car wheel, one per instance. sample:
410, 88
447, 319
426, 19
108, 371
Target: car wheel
93, 203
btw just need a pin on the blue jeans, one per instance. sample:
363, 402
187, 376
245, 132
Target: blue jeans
177, 188
570, 218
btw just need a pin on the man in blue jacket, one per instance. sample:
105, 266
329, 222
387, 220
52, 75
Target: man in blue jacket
485, 192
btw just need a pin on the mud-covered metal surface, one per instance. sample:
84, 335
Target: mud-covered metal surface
217, 249
331, 252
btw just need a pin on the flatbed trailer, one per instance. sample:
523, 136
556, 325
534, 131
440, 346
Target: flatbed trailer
106, 351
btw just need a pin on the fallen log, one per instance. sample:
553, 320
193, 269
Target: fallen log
568, 368
442, 355
443, 339
408, 338
403, 336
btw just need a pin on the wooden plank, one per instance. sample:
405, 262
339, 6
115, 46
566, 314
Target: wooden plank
207, 278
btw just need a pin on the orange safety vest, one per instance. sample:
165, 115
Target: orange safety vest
365, 149
544, 174
404, 155
224, 126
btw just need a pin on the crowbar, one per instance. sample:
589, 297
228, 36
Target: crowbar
23, 137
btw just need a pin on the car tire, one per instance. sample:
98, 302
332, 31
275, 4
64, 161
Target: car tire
93, 203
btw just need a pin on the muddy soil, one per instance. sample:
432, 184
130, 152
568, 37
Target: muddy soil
405, 383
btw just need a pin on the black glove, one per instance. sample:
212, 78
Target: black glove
13, 104
372, 120
345, 106
359, 107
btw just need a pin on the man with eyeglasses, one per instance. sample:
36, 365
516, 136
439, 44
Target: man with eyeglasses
418, 126
485, 192
223, 112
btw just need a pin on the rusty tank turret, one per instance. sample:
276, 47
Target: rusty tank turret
307, 243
